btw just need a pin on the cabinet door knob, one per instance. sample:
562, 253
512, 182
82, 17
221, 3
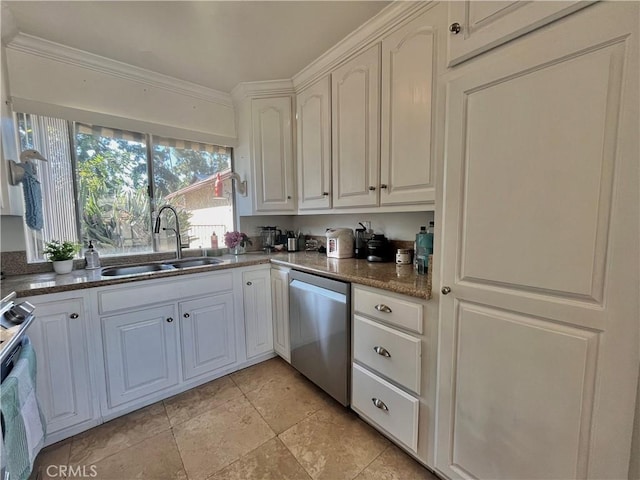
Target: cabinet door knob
380, 404
446, 290
74, 316
372, 188
288, 197
325, 194
455, 28
381, 307
186, 315
249, 283
383, 186
169, 320
382, 351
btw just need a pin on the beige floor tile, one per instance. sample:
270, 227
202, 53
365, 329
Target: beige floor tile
256, 376
154, 458
394, 464
285, 401
111, 437
218, 437
52, 461
269, 461
333, 443
200, 399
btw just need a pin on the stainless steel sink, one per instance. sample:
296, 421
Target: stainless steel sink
194, 262
159, 267
135, 269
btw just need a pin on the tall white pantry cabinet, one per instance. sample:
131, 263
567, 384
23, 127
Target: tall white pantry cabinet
539, 347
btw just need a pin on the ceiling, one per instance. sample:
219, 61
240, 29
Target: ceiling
216, 44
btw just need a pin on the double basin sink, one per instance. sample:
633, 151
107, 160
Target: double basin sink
158, 267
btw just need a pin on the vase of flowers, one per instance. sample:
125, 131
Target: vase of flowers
236, 242
61, 255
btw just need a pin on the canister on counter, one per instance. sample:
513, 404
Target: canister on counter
403, 256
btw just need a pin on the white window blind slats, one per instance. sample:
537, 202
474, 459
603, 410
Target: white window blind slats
110, 132
50, 136
187, 145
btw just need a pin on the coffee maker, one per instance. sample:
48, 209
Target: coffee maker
361, 239
269, 237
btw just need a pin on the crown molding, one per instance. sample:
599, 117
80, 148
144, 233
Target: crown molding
365, 35
267, 88
61, 53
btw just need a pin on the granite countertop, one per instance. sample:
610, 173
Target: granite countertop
387, 275
400, 279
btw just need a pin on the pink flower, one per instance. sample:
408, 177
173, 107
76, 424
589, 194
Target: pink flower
233, 239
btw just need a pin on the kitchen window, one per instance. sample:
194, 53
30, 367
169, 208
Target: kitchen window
104, 184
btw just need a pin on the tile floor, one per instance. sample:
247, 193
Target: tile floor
263, 422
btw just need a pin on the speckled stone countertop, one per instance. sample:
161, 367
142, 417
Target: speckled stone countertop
387, 275
400, 279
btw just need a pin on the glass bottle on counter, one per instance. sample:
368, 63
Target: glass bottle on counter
422, 256
430, 240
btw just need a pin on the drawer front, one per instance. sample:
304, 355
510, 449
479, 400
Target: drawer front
153, 291
389, 309
392, 353
396, 411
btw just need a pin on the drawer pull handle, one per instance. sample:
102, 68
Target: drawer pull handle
381, 307
380, 404
382, 351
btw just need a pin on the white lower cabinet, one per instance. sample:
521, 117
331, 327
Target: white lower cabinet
63, 382
393, 371
141, 355
382, 402
256, 292
207, 333
161, 337
280, 311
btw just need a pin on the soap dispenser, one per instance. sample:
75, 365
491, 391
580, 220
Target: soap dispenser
91, 258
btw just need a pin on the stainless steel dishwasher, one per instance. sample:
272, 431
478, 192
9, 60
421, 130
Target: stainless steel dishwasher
319, 327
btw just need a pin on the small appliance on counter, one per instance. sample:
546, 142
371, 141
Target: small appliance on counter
362, 237
270, 237
378, 248
339, 243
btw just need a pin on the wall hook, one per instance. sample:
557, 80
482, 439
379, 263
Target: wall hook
16, 170
241, 185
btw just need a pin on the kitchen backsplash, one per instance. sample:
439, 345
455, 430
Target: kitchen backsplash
395, 226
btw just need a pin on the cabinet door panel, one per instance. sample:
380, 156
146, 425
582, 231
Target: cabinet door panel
280, 303
140, 353
272, 151
355, 126
314, 146
208, 334
485, 25
409, 70
64, 388
257, 312
541, 321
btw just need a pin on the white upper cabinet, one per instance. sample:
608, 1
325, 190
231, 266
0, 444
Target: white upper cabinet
538, 345
355, 114
10, 196
272, 150
314, 146
409, 94
476, 27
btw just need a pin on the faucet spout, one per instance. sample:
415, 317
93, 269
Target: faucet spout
156, 228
